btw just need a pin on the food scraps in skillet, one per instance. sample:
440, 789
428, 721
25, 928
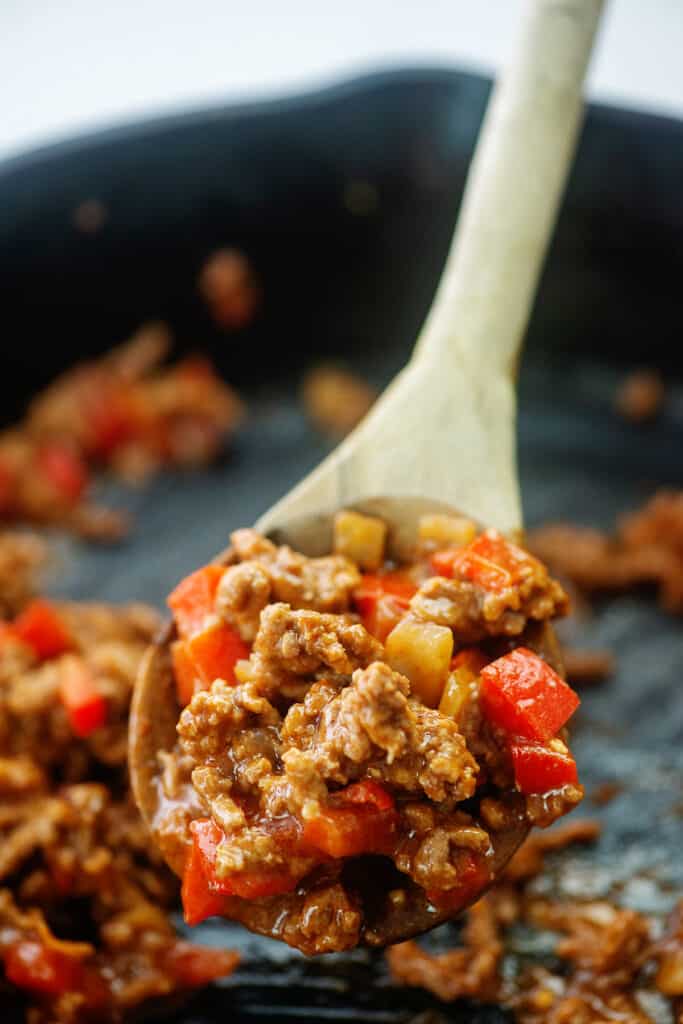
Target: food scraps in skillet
228, 285
23, 556
352, 728
645, 549
640, 396
608, 957
84, 899
584, 667
336, 400
125, 413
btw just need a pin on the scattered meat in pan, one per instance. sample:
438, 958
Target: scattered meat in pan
228, 285
22, 557
84, 900
646, 549
640, 395
609, 955
584, 667
124, 412
605, 792
336, 400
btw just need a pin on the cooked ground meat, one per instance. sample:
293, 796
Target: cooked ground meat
373, 728
470, 972
640, 395
290, 646
73, 849
319, 584
474, 612
336, 400
22, 556
243, 593
304, 642
610, 954
122, 412
646, 548
584, 667
228, 285
313, 734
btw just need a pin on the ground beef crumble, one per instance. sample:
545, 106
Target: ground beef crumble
75, 856
373, 728
316, 715
646, 548
124, 412
474, 613
610, 955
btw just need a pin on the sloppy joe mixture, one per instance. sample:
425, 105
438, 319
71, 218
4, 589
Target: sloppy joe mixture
125, 412
85, 933
610, 963
355, 731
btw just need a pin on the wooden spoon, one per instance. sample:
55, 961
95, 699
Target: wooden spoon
443, 434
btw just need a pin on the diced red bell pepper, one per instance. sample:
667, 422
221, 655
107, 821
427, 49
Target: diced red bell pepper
540, 768
114, 417
40, 626
259, 885
366, 793
31, 965
490, 561
198, 901
376, 585
215, 651
82, 699
194, 966
193, 599
249, 885
359, 819
381, 601
523, 695
65, 470
386, 614
473, 876
184, 672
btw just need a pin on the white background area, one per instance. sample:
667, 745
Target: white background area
69, 65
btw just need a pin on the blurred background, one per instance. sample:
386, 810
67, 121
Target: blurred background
76, 64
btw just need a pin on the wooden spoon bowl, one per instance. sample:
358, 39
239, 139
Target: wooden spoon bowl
155, 713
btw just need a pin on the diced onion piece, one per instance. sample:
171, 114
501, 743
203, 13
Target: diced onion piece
360, 538
456, 694
243, 670
446, 531
669, 979
422, 652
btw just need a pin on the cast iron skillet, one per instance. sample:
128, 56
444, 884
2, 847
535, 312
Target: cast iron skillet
275, 178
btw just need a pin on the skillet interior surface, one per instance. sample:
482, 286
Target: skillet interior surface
360, 292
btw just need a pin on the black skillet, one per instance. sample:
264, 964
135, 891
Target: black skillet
282, 181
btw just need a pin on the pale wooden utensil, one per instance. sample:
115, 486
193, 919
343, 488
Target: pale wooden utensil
443, 434
445, 427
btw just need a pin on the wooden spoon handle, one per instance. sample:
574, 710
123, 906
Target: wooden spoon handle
445, 428
513, 190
